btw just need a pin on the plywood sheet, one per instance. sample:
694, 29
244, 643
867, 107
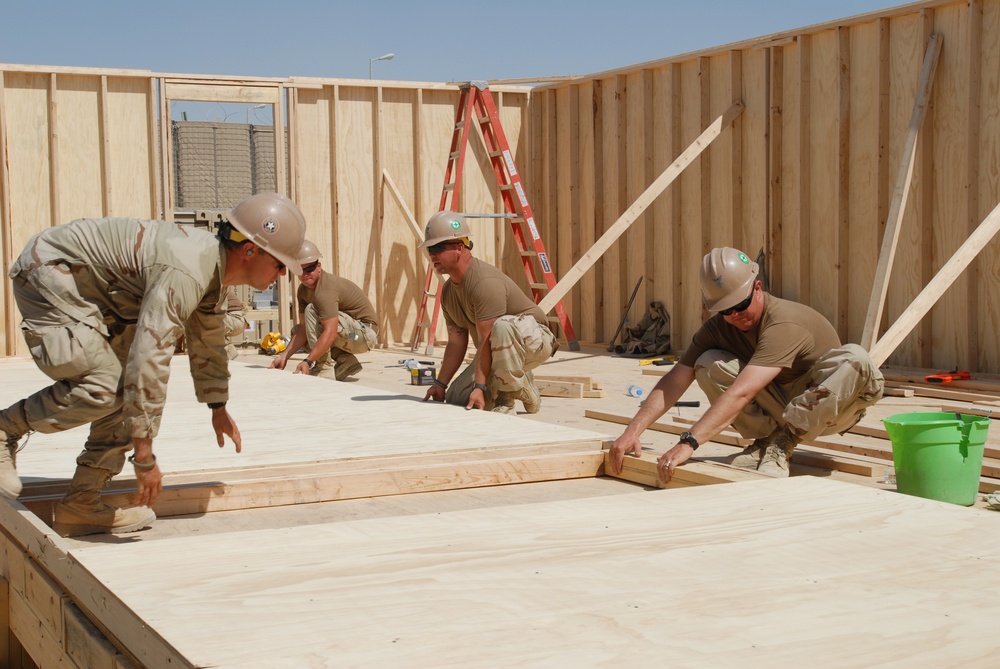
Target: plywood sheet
287, 418
787, 572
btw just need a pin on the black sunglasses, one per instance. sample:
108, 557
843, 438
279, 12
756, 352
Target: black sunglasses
741, 307
441, 247
308, 269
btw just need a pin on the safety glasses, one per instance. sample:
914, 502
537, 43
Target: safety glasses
434, 249
739, 308
310, 268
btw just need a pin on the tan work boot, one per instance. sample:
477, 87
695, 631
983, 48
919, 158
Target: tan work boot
778, 453
749, 457
10, 482
81, 511
504, 402
530, 397
347, 365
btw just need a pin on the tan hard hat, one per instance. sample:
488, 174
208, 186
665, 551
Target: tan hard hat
727, 278
273, 223
308, 254
445, 226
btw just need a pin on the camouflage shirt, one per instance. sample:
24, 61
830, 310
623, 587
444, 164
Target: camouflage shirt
161, 277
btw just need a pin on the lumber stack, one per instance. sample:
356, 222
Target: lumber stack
575, 387
863, 451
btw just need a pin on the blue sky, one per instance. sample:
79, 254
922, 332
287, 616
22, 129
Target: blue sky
433, 40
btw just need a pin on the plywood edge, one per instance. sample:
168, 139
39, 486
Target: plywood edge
52, 554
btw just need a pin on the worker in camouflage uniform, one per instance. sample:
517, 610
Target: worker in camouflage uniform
508, 329
336, 320
236, 321
772, 368
103, 303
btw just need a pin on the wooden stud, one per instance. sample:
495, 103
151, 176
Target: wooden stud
899, 196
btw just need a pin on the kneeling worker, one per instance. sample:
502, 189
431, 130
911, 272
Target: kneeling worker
772, 368
509, 330
336, 320
103, 303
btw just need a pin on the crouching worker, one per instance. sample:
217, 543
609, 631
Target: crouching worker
103, 303
336, 320
509, 330
772, 368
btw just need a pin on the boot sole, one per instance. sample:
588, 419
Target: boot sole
80, 530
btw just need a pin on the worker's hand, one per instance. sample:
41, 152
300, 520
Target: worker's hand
302, 368
150, 484
223, 423
669, 461
279, 362
477, 399
149, 481
434, 394
623, 445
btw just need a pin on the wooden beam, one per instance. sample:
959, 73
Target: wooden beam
633, 212
642, 470
937, 286
414, 226
208, 491
898, 205
269, 94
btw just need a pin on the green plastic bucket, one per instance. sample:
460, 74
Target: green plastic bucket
938, 455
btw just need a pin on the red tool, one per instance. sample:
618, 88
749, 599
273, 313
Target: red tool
948, 377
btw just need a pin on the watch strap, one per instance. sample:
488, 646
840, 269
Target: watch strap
691, 441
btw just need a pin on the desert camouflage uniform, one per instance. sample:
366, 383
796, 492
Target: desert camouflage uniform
830, 399
235, 321
103, 302
519, 344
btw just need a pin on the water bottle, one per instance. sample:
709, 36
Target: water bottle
635, 391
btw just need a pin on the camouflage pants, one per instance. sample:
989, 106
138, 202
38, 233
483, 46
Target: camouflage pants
519, 344
353, 336
829, 399
88, 370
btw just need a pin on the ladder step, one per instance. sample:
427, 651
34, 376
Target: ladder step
454, 155
539, 286
527, 253
506, 187
448, 188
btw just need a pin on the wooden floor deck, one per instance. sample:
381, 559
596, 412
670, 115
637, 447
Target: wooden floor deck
304, 551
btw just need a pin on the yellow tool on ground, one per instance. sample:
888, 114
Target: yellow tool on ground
665, 360
273, 343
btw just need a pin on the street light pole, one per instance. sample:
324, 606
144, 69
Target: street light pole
249, 109
388, 56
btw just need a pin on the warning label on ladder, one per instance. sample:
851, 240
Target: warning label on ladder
543, 259
531, 226
510, 163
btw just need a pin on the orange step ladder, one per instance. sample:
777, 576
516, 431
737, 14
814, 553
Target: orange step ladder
477, 99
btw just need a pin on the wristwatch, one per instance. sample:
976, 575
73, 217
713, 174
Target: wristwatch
481, 386
310, 363
686, 436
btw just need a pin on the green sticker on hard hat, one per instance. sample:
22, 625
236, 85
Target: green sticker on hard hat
743, 258
455, 225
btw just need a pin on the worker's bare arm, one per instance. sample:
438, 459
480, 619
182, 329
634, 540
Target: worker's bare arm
484, 363
748, 384
667, 391
454, 354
